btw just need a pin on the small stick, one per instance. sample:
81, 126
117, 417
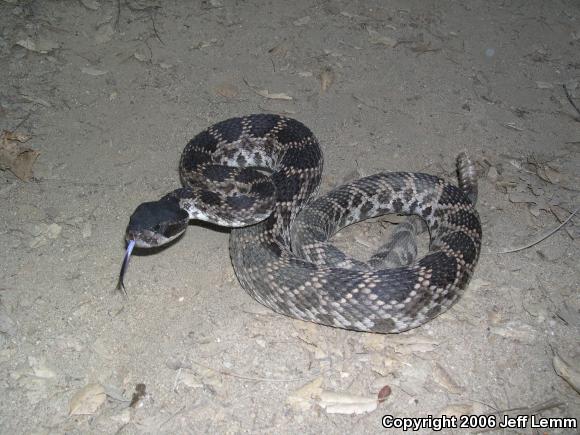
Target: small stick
541, 239
155, 29
569, 97
118, 15
255, 379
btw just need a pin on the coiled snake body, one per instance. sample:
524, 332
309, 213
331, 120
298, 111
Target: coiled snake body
259, 174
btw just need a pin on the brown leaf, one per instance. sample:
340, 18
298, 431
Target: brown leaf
87, 400
384, 393
15, 157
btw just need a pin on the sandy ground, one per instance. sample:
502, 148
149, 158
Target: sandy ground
110, 92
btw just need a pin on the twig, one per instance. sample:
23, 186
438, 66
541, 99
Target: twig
541, 239
22, 121
155, 29
569, 97
251, 87
118, 15
256, 379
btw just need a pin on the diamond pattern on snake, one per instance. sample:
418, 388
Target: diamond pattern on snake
260, 174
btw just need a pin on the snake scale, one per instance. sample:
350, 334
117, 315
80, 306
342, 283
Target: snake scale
259, 174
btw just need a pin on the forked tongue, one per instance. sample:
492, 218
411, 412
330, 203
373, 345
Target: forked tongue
121, 284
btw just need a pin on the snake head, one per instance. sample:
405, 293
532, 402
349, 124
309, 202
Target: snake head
157, 223
153, 224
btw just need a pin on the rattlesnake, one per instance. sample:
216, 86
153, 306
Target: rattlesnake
259, 173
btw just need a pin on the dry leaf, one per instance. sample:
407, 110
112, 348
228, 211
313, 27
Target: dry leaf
326, 79
190, 380
544, 85
548, 174
203, 44
93, 5
477, 283
16, 158
40, 46
14, 136
273, 96
567, 371
376, 38
346, 403
444, 379
374, 342
303, 396
104, 34
279, 50
87, 400
140, 57
208, 376
227, 90
93, 71
513, 126
410, 344
515, 330
40, 369
384, 393
302, 21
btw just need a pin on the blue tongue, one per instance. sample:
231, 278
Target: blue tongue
120, 284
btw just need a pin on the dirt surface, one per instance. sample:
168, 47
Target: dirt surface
111, 91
